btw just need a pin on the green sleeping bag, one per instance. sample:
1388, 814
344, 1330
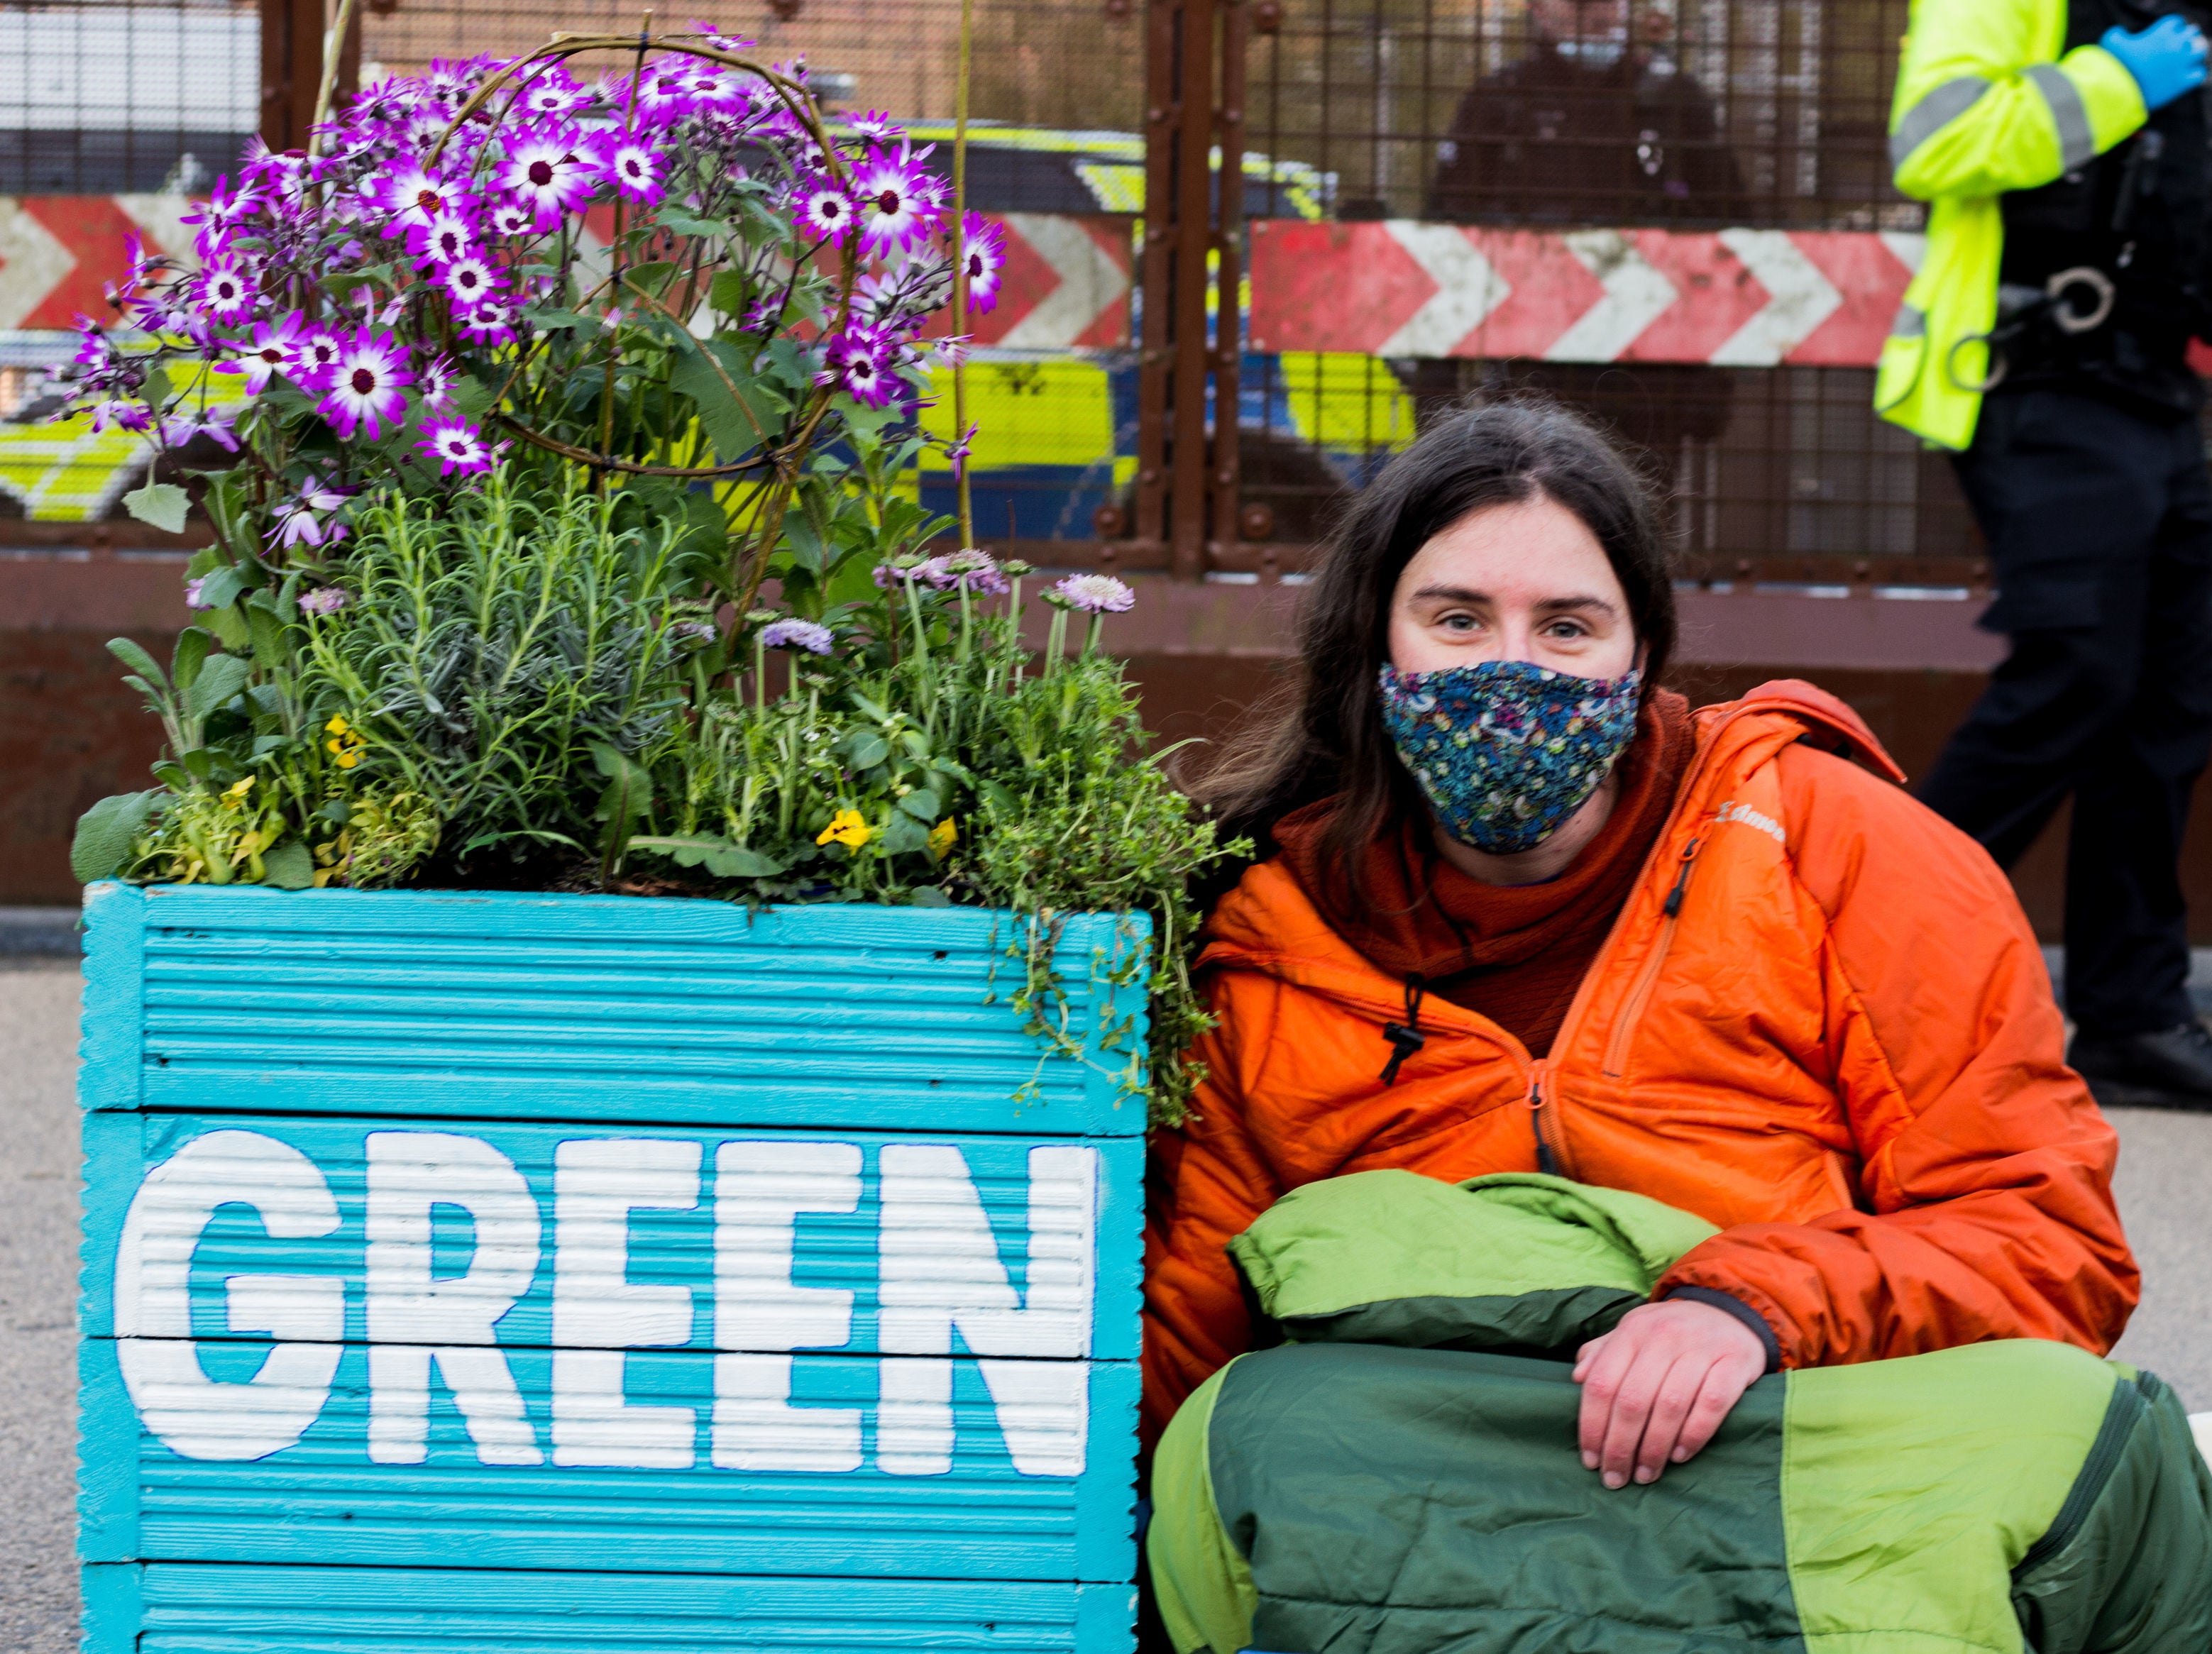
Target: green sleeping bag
1400, 1476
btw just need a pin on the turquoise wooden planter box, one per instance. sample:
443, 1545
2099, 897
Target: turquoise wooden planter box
558, 1274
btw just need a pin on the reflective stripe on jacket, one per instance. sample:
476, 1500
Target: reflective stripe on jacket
1839, 1046
1985, 105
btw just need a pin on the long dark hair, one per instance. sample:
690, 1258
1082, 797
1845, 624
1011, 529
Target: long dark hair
1324, 735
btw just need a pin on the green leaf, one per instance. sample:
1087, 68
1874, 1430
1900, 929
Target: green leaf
223, 588
105, 834
718, 855
290, 866
194, 646
652, 278
555, 321
722, 415
162, 504
218, 684
903, 834
928, 895
139, 661
680, 223
272, 640
923, 805
731, 293
865, 750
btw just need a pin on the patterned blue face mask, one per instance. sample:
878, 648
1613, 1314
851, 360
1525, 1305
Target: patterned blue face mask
1504, 750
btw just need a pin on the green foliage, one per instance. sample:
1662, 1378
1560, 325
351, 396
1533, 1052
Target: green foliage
550, 691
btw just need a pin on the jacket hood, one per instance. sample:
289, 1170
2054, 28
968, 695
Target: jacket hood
1268, 923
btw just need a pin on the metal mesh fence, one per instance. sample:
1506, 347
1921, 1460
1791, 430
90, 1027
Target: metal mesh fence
1590, 112
101, 96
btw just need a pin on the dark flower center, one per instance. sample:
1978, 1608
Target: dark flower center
466, 278
272, 356
974, 266
541, 173
830, 207
363, 382
429, 200
888, 201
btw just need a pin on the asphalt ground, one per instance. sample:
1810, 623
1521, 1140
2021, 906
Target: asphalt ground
2164, 1189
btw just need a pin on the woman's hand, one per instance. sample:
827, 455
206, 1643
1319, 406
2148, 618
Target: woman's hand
1656, 1387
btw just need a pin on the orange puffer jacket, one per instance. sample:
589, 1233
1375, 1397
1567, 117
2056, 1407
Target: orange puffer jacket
1821, 1021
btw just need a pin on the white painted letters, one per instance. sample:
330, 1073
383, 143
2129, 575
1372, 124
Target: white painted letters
413, 1319
192, 1415
760, 1188
939, 1272
598, 1314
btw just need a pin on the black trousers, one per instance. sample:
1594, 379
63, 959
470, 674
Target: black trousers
2099, 525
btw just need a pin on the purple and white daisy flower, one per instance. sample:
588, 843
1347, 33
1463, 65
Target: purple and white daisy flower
448, 236
663, 96
125, 413
490, 324
984, 252
300, 520
824, 210
314, 356
512, 218
877, 126
457, 445
807, 634
325, 600
366, 388
635, 166
553, 94
434, 384
226, 209
1096, 595
268, 355
897, 202
471, 281
415, 196
859, 361
213, 422
547, 172
225, 291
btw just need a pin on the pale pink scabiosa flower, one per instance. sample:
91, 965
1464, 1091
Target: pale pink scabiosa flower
970, 570
300, 521
470, 282
805, 635
365, 389
547, 172
225, 290
983, 252
1096, 595
314, 357
635, 166
268, 355
192, 588
897, 202
826, 212
457, 445
325, 600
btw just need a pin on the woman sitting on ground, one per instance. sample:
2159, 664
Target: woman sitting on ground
1521, 910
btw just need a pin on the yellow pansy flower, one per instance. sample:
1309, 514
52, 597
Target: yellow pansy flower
848, 827
234, 796
345, 742
942, 838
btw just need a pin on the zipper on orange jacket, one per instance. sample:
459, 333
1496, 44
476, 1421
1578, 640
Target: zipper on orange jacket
1550, 1152
1631, 1010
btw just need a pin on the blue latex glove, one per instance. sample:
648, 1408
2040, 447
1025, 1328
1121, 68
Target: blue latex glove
2166, 59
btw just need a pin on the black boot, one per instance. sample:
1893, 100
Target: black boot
2171, 1069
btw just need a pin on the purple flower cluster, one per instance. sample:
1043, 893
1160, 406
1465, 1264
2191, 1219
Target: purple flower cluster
395, 277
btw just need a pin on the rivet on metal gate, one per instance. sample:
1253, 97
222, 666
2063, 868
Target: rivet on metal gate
1267, 17
1109, 522
1117, 9
1224, 477
1256, 522
1156, 114
785, 10
1151, 474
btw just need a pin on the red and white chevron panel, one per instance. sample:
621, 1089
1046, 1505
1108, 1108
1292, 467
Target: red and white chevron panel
1751, 298
1066, 282
56, 252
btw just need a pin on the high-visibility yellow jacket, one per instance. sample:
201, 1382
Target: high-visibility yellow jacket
1985, 104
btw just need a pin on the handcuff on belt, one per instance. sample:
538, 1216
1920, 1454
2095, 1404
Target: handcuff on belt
2020, 309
